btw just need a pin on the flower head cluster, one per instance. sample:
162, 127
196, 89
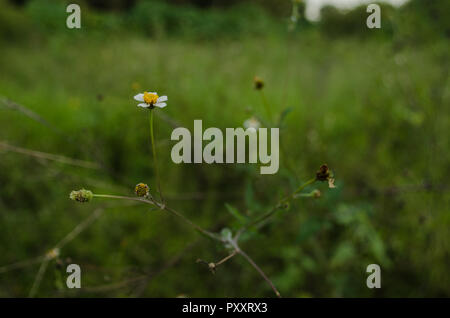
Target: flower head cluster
151, 100
82, 195
324, 174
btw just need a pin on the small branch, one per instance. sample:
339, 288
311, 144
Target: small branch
155, 159
274, 209
79, 228
213, 266
233, 243
29, 113
226, 258
39, 276
49, 156
21, 264
259, 270
165, 208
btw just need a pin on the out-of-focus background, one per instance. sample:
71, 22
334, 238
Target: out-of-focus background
371, 103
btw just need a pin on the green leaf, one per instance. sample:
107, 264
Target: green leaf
241, 218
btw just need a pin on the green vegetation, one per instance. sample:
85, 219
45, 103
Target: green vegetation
374, 108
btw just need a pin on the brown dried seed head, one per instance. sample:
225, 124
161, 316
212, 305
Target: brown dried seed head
259, 83
323, 174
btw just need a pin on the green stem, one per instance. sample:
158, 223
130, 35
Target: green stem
154, 156
272, 211
162, 206
108, 196
304, 185
266, 106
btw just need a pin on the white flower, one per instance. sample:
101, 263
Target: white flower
252, 123
150, 100
53, 253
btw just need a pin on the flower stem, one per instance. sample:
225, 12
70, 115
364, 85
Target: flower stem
162, 206
266, 106
304, 185
274, 209
154, 156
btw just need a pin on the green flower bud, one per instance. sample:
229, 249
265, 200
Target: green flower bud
82, 195
316, 193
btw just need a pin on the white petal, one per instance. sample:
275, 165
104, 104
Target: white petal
162, 99
161, 105
139, 97
143, 105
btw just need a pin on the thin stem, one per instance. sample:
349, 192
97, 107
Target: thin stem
49, 156
154, 156
79, 228
21, 264
213, 266
260, 271
226, 258
266, 105
162, 206
255, 266
38, 279
120, 197
304, 185
274, 209
188, 221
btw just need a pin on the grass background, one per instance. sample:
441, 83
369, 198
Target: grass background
373, 106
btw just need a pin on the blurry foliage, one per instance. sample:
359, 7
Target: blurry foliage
353, 23
416, 21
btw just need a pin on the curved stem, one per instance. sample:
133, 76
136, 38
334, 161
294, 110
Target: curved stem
304, 185
238, 250
274, 209
162, 206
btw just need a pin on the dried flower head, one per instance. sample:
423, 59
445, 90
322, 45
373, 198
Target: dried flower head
258, 82
141, 189
82, 195
331, 183
151, 100
324, 174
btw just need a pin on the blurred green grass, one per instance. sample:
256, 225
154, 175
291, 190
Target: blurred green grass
374, 111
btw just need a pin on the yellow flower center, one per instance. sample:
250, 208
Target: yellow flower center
150, 98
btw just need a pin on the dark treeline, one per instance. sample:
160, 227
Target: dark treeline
417, 20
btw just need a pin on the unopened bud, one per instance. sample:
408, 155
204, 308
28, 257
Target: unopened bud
316, 193
82, 195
